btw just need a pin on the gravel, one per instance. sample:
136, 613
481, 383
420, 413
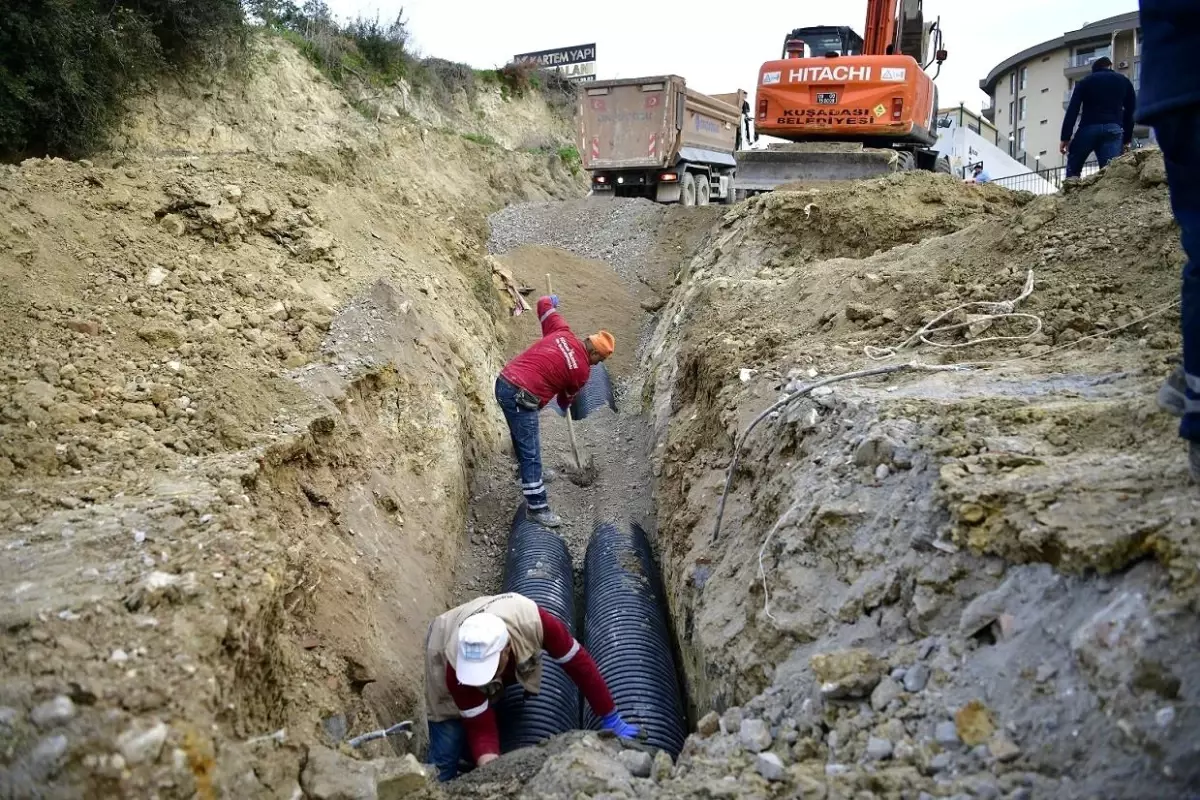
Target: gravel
619, 231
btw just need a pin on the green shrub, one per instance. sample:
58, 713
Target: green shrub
68, 68
481, 138
569, 156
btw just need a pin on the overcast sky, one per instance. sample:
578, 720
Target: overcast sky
718, 47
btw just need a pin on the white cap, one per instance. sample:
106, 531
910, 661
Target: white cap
481, 639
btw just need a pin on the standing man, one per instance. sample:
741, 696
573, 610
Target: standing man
473, 651
1108, 101
555, 367
1171, 104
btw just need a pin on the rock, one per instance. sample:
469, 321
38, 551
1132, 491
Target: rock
882, 471
878, 749
983, 787
731, 720
872, 451
946, 734
161, 335
330, 775
53, 713
1109, 645
1165, 716
1153, 172
142, 412
847, 673
143, 746
904, 751
1002, 748
8, 717
85, 326
974, 723
231, 191
859, 312
156, 276
916, 678
940, 762
890, 314
638, 762
256, 205
396, 778
46, 758
709, 724
769, 766
663, 766
1045, 672
223, 218
173, 224
887, 691
315, 244
754, 735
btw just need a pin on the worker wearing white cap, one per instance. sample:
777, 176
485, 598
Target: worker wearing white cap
474, 650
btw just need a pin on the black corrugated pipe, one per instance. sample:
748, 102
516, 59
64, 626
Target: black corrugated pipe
625, 629
538, 566
595, 394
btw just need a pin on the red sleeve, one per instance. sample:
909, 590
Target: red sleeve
579, 665
552, 321
567, 396
479, 720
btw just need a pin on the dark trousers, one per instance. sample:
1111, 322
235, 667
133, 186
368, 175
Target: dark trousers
1178, 134
1103, 140
447, 747
523, 427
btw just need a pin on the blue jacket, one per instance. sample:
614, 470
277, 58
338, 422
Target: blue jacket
1171, 35
1107, 98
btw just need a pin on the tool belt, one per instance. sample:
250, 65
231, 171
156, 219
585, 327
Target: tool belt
524, 399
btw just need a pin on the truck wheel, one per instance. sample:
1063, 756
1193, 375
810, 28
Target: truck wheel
943, 166
703, 189
688, 196
907, 161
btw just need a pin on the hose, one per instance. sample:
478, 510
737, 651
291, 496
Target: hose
538, 566
625, 629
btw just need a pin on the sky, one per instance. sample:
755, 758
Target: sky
715, 46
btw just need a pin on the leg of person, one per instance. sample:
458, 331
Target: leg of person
1080, 148
1178, 135
506, 397
529, 454
447, 743
1108, 144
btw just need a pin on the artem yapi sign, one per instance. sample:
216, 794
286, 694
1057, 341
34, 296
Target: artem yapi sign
577, 62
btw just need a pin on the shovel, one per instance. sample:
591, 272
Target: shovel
583, 471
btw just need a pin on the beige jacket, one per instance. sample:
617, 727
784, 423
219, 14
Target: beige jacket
441, 647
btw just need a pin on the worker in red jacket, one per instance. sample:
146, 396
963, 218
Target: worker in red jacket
554, 367
473, 651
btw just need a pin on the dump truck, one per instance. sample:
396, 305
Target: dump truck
848, 107
654, 137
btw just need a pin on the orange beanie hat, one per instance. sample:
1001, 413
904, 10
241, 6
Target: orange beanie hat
603, 343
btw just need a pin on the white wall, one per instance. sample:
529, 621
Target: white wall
964, 146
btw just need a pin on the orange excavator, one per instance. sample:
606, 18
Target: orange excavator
850, 107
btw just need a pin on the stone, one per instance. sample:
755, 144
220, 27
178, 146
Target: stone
904, 751
1045, 672
231, 191
916, 679
882, 471
1002, 748
975, 724
329, 775
156, 276
887, 691
940, 762
1165, 716
638, 762
87, 327
754, 735
173, 224
946, 734
859, 312
709, 724
731, 720
396, 778
1153, 172
47, 756
769, 766
256, 205
8, 717
52, 713
1109, 646
983, 787
139, 746
663, 766
847, 673
161, 335
878, 749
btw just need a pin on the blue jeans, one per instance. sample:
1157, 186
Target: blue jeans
523, 427
447, 746
1178, 134
1103, 140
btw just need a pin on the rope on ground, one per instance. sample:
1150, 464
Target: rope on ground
992, 310
804, 392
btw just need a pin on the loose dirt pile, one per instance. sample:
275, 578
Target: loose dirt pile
232, 499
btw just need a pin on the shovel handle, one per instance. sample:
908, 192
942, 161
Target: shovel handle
570, 423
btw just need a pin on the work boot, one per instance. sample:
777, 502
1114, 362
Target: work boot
546, 518
1172, 395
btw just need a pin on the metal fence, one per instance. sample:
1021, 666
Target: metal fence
1042, 181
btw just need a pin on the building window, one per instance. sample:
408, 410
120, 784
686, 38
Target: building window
1021, 108
1021, 140
1024, 77
1012, 113
1012, 83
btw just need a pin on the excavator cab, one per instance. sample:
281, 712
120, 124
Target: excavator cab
820, 41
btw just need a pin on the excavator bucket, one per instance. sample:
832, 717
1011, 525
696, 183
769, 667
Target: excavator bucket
766, 170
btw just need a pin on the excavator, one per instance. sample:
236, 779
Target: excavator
849, 107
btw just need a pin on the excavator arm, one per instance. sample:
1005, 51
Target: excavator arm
880, 32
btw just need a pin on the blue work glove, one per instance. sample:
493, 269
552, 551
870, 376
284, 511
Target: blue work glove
612, 722
554, 300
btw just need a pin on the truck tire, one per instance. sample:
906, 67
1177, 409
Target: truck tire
688, 196
907, 162
942, 166
703, 188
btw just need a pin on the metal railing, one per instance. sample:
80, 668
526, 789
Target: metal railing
1042, 181
1085, 59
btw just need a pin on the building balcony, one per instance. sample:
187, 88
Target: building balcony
1080, 64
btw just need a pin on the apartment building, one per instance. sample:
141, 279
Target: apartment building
961, 117
1030, 91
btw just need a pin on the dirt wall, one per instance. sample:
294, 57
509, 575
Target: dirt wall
245, 370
